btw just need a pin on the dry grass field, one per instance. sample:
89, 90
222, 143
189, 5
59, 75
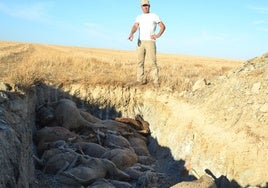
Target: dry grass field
27, 64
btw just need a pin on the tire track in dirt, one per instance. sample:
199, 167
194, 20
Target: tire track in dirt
11, 55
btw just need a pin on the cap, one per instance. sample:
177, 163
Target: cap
145, 2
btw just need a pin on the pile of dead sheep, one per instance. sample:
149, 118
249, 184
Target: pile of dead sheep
79, 150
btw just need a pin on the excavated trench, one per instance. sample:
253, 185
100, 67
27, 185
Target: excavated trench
182, 137
111, 102
20, 123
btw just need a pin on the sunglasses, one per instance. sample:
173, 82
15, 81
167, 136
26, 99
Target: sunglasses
145, 5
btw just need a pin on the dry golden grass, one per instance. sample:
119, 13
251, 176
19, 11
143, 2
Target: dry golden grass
28, 64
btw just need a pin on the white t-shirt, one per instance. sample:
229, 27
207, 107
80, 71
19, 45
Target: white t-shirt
147, 25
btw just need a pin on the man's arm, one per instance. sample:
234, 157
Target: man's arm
161, 31
133, 30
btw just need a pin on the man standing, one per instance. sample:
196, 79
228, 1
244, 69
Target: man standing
146, 23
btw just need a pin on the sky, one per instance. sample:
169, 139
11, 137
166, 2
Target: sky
233, 29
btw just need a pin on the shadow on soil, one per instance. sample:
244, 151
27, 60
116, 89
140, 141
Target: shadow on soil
165, 163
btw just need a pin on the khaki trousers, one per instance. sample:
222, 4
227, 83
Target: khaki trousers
147, 48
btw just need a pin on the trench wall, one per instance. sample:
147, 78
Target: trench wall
17, 122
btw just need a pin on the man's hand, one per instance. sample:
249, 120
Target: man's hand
130, 37
154, 36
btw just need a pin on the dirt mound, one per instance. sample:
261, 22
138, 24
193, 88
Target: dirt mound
239, 99
235, 109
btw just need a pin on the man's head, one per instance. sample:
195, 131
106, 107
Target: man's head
145, 5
